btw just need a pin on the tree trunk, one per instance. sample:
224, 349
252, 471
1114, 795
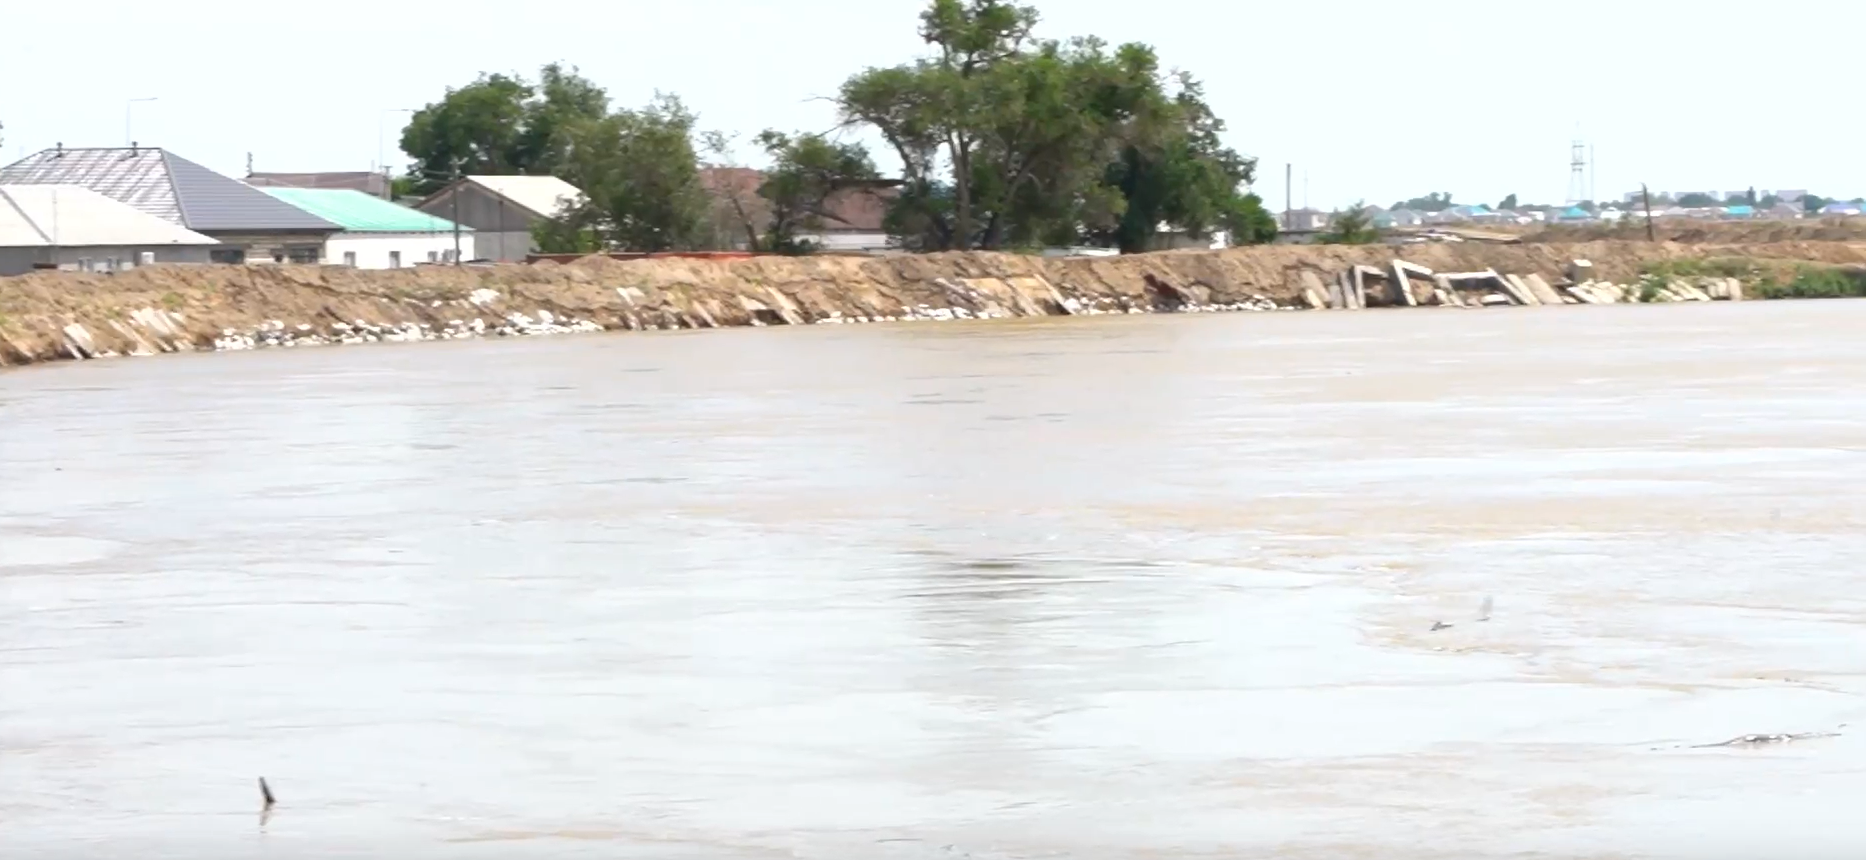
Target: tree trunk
962, 194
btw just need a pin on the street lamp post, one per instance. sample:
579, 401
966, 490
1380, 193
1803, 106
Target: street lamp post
129, 115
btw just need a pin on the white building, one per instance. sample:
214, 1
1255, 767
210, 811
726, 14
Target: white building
378, 234
70, 227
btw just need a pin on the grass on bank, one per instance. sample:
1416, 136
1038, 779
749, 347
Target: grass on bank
1761, 279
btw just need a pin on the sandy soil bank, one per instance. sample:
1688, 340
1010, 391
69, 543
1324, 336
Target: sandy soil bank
60, 315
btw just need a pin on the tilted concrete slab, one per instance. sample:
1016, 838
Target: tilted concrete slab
1539, 287
1513, 287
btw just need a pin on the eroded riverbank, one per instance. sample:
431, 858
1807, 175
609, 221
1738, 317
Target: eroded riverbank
54, 316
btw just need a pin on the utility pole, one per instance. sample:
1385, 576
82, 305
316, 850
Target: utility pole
1647, 196
382, 162
456, 215
1289, 196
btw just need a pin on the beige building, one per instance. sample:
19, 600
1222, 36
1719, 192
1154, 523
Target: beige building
501, 210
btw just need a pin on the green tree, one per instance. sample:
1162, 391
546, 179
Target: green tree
1183, 176
943, 107
1351, 226
639, 172
1508, 203
1697, 200
571, 233
1007, 140
1433, 202
1813, 203
807, 170
501, 124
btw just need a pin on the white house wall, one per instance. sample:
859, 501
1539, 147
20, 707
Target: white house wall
374, 250
20, 260
850, 242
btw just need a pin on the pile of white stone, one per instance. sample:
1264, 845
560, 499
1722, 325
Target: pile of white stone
1099, 305
275, 333
918, 313
1256, 303
1652, 289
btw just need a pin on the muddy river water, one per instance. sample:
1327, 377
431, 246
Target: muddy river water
1121, 587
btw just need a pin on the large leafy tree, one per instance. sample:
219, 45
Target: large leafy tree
501, 124
639, 172
807, 172
1005, 139
1179, 173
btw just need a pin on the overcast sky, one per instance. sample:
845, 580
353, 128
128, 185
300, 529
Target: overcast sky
1369, 99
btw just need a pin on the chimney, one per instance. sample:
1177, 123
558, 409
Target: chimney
132, 147
59, 149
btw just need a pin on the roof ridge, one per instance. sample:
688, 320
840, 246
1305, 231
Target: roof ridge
168, 175
30, 221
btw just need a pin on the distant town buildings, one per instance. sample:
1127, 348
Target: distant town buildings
249, 224
377, 234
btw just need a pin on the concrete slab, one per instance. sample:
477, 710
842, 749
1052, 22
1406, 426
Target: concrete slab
1688, 292
1403, 273
1582, 293
1362, 275
1337, 298
1307, 280
1539, 287
1519, 291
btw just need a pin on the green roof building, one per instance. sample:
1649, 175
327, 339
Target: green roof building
378, 234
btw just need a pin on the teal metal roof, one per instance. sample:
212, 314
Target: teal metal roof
357, 212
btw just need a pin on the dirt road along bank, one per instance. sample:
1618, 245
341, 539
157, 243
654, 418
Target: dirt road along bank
61, 315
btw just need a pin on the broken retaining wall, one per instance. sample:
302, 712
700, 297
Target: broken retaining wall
54, 315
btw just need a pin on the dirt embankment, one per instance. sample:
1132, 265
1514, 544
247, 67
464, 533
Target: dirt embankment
56, 315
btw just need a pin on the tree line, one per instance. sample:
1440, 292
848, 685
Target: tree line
1004, 140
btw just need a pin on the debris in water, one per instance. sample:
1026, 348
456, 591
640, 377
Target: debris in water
1440, 625
265, 794
1766, 740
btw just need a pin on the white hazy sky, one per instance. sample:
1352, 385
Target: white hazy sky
1369, 99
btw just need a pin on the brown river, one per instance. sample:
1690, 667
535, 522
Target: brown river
1159, 586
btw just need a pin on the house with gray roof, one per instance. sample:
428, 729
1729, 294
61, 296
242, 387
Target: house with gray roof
251, 225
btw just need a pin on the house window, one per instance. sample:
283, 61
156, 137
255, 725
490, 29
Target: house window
307, 254
395, 259
349, 259
234, 256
